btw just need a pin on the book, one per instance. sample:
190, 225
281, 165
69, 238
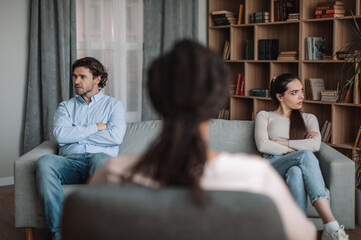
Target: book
330, 11
258, 92
318, 48
226, 50
327, 135
240, 14
238, 84
219, 12
286, 58
241, 91
325, 7
316, 86
330, 3
249, 50
357, 141
323, 130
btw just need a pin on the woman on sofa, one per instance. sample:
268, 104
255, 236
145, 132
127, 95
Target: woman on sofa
288, 139
187, 87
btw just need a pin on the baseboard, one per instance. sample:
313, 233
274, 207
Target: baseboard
6, 181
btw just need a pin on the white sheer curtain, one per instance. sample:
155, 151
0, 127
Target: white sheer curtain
112, 32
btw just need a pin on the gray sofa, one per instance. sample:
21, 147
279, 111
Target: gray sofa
231, 136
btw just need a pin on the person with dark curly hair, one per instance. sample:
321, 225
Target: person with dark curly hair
88, 129
187, 87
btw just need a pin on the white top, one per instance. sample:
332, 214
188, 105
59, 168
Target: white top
232, 172
272, 126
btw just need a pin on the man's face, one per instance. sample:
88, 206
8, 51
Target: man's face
84, 82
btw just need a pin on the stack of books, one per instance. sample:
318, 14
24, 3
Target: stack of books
260, 17
315, 48
224, 17
268, 49
257, 92
293, 17
330, 9
287, 56
329, 95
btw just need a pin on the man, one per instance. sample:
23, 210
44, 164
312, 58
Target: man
88, 129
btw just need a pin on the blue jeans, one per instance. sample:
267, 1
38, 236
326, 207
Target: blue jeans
302, 173
52, 171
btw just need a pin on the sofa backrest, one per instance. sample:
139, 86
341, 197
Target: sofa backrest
224, 135
134, 212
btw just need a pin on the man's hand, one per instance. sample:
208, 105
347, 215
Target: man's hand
311, 134
102, 126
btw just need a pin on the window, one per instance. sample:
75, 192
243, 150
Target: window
112, 32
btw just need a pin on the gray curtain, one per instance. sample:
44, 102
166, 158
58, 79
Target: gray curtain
166, 21
52, 51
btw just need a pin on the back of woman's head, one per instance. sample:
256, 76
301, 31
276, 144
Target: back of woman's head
187, 86
279, 85
188, 82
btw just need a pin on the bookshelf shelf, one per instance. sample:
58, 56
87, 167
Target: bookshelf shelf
345, 117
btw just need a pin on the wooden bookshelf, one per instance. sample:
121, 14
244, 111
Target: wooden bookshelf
345, 117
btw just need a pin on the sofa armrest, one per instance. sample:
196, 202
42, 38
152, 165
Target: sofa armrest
26, 201
339, 174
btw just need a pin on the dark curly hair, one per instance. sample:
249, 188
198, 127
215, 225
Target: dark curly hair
95, 67
187, 86
298, 129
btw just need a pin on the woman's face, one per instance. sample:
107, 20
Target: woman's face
293, 97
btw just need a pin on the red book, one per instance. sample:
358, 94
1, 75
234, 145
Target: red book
242, 87
329, 11
238, 84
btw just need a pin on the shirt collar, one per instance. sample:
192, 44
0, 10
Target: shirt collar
94, 98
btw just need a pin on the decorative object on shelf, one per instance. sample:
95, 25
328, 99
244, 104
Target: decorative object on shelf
260, 17
330, 9
224, 17
352, 60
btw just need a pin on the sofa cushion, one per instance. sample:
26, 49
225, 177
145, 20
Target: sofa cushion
232, 136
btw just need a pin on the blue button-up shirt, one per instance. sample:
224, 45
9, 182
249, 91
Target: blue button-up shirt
75, 127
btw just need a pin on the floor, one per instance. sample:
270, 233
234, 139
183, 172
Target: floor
9, 232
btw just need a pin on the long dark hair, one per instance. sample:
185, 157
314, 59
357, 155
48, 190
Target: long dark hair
298, 128
95, 67
187, 86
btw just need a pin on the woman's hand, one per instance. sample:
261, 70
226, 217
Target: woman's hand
282, 142
110, 172
311, 134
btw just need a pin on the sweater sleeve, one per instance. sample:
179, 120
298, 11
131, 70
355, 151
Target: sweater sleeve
312, 144
263, 142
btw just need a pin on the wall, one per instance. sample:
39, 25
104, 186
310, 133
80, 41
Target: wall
14, 32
